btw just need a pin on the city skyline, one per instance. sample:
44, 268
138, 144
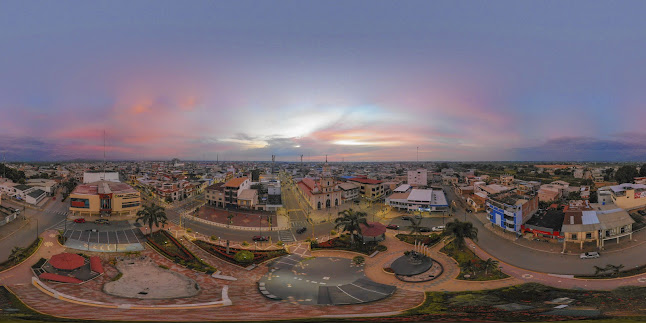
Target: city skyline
360, 81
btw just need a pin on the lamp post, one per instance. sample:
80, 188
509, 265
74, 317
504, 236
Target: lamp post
37, 229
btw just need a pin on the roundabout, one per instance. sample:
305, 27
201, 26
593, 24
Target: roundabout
321, 280
415, 267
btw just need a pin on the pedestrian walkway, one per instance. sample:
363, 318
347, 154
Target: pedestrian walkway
286, 236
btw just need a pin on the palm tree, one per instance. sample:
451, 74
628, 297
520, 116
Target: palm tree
461, 230
152, 214
16, 254
598, 270
349, 220
489, 264
416, 227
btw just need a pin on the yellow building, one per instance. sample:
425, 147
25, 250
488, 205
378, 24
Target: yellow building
104, 198
627, 196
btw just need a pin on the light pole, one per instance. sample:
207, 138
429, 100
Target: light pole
37, 229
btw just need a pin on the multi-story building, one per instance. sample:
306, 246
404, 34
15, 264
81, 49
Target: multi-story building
349, 191
215, 195
320, 194
369, 188
506, 180
104, 198
627, 196
95, 176
418, 177
417, 199
232, 190
510, 210
595, 223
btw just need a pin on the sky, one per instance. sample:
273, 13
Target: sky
354, 80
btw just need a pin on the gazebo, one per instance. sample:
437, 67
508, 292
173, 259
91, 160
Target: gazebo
374, 231
66, 261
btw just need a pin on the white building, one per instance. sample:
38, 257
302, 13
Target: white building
46, 185
418, 199
417, 177
91, 177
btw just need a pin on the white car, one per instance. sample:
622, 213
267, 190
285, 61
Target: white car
438, 228
590, 255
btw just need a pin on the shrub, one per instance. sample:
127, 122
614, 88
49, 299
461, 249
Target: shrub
117, 277
358, 260
381, 248
214, 238
244, 256
280, 243
333, 233
163, 267
189, 230
245, 243
475, 300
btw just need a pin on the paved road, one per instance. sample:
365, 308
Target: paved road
23, 232
541, 261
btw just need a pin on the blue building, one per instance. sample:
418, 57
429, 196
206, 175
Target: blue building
509, 210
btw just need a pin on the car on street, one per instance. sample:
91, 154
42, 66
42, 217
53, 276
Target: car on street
357, 201
79, 220
392, 227
642, 212
260, 238
438, 228
405, 217
102, 221
301, 230
590, 255
424, 229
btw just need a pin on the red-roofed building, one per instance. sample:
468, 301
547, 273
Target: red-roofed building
95, 265
232, 190
370, 188
322, 193
374, 231
66, 261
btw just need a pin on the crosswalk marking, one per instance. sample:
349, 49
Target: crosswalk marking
286, 236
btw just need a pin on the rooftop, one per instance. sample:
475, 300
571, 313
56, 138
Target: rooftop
93, 188
235, 182
365, 180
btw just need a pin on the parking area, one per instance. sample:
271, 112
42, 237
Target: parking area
118, 232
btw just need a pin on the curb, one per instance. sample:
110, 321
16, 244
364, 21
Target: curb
40, 243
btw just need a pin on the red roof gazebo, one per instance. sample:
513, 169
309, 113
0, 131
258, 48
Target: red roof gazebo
66, 261
374, 231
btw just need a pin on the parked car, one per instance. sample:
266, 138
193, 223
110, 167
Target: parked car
405, 217
54, 198
438, 228
102, 221
260, 238
590, 255
79, 220
424, 229
392, 227
301, 230
642, 212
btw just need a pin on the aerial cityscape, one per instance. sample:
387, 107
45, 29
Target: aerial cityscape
297, 161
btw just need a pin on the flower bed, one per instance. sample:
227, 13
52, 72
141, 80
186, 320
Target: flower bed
21, 255
172, 249
221, 252
472, 267
344, 243
428, 240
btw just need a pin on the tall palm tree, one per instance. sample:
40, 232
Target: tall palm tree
16, 254
349, 220
461, 230
152, 215
489, 264
415, 227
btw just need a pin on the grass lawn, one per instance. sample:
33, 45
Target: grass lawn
472, 267
344, 242
428, 240
220, 252
172, 249
22, 255
480, 304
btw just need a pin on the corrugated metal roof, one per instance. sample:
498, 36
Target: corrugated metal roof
589, 217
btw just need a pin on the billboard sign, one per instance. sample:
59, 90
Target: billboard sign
639, 195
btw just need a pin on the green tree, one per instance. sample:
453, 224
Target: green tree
642, 171
489, 264
349, 220
626, 174
16, 254
416, 227
152, 215
459, 231
575, 195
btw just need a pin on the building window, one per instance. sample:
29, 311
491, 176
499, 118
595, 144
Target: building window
573, 236
588, 235
623, 229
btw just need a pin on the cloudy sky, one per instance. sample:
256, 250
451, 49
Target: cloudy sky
356, 80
